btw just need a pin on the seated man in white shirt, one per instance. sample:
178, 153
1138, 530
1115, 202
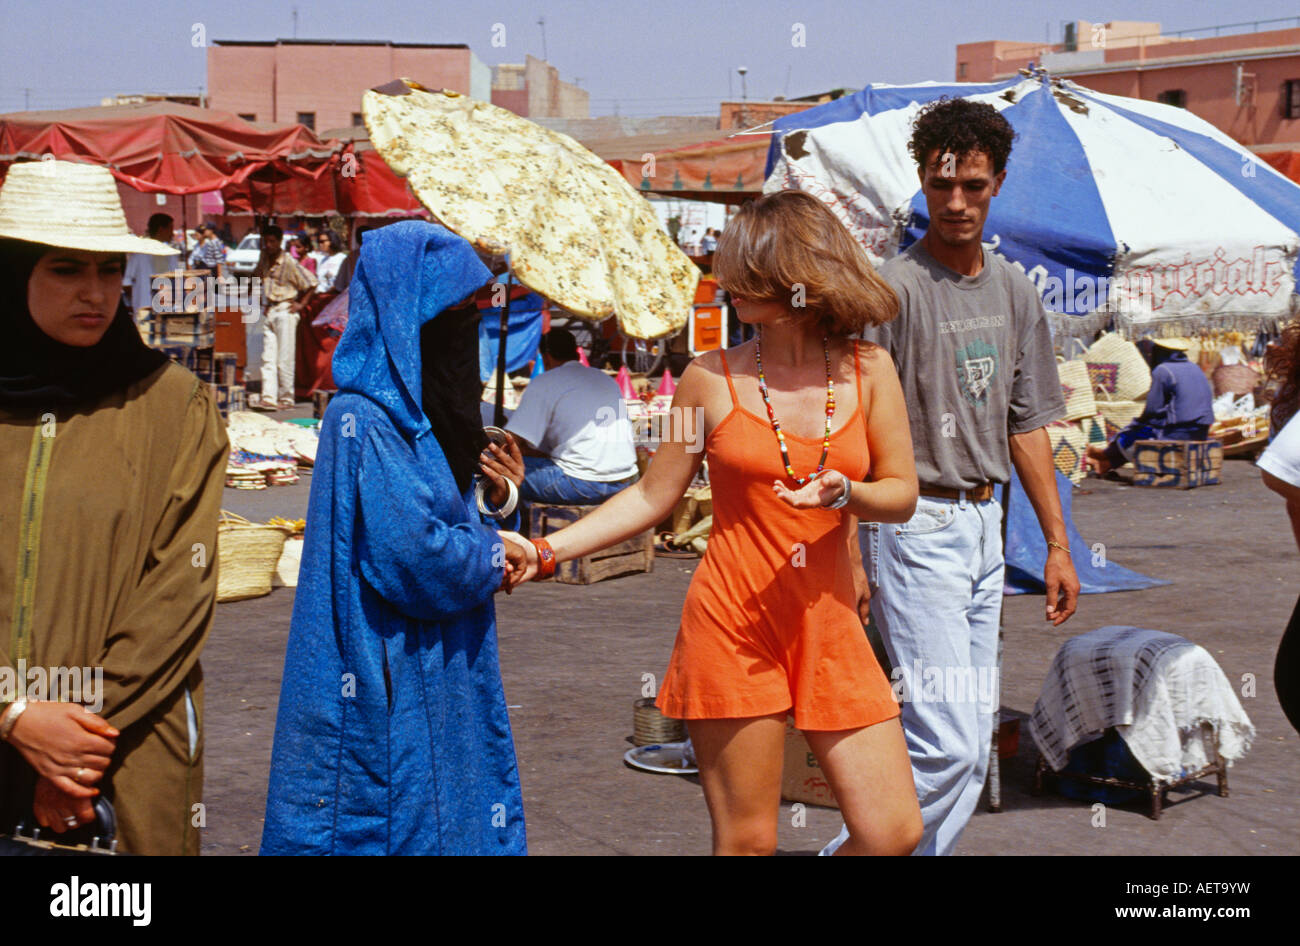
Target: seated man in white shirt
573, 430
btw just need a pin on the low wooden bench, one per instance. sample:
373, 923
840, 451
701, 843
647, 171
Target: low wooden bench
1180, 464
632, 556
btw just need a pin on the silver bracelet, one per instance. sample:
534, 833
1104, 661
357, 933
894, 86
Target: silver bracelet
512, 499
16, 709
844, 496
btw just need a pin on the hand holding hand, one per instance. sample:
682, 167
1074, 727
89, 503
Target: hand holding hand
58, 810
65, 743
522, 556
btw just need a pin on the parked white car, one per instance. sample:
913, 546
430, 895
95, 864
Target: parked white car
242, 260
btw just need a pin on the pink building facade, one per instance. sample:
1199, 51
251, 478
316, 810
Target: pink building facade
319, 83
533, 89
1247, 84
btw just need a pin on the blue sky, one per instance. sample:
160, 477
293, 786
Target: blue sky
667, 57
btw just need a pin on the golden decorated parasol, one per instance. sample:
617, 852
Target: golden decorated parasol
570, 226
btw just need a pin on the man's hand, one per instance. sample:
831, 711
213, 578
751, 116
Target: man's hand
864, 603
53, 808
1062, 586
499, 464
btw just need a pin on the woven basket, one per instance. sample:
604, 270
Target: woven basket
1094, 430
1116, 415
651, 727
1117, 368
1069, 445
1076, 386
1239, 379
247, 554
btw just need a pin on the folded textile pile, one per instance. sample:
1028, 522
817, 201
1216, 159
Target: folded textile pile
266, 447
1165, 696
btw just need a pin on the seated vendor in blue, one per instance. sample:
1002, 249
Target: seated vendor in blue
392, 735
1180, 406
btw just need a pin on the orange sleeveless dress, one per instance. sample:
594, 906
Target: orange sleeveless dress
770, 621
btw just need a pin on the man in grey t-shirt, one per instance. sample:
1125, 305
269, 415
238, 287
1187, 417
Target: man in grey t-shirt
974, 355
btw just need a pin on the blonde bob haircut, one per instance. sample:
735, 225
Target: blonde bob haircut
789, 248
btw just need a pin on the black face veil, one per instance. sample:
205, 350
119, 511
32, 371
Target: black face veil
450, 388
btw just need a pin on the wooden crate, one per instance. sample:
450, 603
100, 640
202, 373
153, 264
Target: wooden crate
1180, 464
633, 556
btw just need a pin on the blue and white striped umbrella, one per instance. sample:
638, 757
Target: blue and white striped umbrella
1112, 206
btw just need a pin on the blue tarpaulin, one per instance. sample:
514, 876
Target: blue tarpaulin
521, 340
1026, 551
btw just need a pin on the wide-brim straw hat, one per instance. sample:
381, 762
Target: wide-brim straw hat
64, 203
1176, 344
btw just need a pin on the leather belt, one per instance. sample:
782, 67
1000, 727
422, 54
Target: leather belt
976, 494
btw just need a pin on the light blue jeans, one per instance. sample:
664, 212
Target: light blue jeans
936, 595
545, 482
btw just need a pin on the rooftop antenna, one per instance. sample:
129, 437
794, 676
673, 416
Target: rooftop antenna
541, 21
744, 97
295, 22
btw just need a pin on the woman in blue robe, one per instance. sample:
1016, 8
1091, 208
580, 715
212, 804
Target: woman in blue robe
392, 735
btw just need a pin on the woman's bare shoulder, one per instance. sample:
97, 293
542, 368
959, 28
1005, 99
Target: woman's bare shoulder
710, 362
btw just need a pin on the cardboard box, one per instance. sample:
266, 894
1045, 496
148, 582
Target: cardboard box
1180, 464
802, 778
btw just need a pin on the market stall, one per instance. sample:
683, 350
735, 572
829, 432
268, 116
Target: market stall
165, 147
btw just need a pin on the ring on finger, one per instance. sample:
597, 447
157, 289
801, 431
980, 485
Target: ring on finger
70, 821
77, 775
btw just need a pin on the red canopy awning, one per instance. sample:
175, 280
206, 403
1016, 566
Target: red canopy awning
728, 171
1287, 162
360, 184
165, 147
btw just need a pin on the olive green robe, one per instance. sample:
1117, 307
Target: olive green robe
108, 541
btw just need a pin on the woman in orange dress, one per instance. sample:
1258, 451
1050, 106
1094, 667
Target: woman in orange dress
806, 431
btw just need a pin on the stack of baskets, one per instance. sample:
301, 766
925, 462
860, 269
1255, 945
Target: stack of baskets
247, 554
1104, 390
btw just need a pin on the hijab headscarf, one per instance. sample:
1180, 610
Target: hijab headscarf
36, 372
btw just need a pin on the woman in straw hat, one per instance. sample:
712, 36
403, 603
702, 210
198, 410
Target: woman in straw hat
113, 461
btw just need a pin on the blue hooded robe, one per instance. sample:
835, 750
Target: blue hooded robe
392, 735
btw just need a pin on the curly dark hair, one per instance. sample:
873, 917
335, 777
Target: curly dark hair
960, 126
1282, 368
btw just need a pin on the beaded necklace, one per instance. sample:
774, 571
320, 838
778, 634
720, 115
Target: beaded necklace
776, 426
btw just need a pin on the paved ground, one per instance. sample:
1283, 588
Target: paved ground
573, 659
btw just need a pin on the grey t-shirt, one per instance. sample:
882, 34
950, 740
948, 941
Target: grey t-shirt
974, 355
